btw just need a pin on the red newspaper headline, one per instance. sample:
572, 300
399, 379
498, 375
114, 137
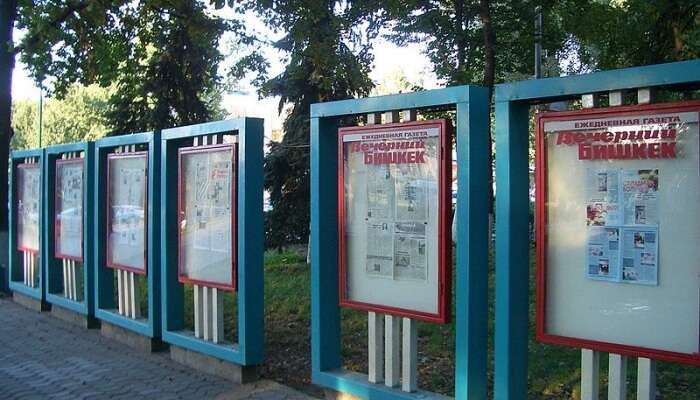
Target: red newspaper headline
394, 152
632, 144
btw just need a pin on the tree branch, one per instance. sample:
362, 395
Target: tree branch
35, 37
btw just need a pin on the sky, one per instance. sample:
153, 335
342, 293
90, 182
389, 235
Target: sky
388, 59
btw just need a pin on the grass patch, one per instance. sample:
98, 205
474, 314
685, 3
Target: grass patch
554, 371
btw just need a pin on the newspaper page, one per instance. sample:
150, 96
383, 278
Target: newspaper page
400, 176
602, 207
604, 253
29, 180
380, 262
640, 190
70, 208
127, 211
621, 205
380, 192
410, 251
640, 255
206, 229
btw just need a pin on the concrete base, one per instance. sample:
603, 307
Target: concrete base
330, 394
213, 366
30, 302
73, 317
131, 339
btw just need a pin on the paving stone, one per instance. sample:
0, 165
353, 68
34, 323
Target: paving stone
45, 357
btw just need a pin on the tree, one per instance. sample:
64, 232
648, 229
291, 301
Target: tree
162, 55
7, 63
81, 115
172, 78
461, 38
630, 33
329, 58
170, 42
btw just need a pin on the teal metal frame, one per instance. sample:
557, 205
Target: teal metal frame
105, 309
50, 264
471, 104
251, 317
14, 269
512, 203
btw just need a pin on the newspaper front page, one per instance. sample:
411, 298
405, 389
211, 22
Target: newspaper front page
127, 211
207, 205
69, 208
29, 181
400, 175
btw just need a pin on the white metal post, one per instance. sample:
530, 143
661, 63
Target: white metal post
392, 365
410, 355
120, 292
646, 379
375, 344
218, 313
134, 295
617, 377
127, 293
198, 310
207, 319
590, 369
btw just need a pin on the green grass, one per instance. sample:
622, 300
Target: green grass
554, 371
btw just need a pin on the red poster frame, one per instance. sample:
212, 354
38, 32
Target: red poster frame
181, 185
109, 263
57, 221
443, 315
20, 195
541, 236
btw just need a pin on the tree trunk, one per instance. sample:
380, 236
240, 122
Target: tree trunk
8, 9
489, 73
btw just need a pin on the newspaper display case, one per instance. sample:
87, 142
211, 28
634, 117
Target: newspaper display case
26, 221
393, 217
211, 234
127, 211
127, 231
28, 206
618, 230
207, 215
68, 216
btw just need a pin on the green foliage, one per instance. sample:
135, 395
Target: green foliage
452, 31
329, 58
172, 78
617, 34
79, 116
162, 55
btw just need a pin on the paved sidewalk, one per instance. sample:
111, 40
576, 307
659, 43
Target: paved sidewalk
42, 357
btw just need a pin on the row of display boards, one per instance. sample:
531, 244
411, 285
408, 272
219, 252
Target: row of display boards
100, 226
92, 230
